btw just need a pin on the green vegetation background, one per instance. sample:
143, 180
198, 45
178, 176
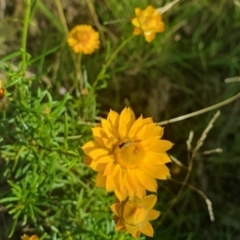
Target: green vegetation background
45, 186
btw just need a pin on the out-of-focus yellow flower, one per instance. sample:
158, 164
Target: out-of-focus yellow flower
147, 22
4, 100
134, 215
83, 39
128, 154
26, 237
2, 90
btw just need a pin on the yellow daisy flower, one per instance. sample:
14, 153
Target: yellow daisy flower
134, 215
147, 22
83, 39
128, 154
26, 237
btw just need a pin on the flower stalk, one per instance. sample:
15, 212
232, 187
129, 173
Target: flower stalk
26, 21
105, 66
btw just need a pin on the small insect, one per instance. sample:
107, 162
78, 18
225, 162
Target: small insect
125, 144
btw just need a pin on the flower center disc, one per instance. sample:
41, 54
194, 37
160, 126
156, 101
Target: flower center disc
83, 37
133, 214
129, 154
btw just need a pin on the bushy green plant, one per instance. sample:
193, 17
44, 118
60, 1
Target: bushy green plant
51, 97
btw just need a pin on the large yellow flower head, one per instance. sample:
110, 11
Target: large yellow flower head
134, 215
147, 22
26, 237
83, 39
128, 154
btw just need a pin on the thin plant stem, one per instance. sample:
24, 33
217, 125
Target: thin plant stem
60, 151
190, 167
122, 236
79, 76
66, 31
109, 61
61, 15
183, 117
207, 109
116, 21
202, 194
96, 20
26, 20
103, 235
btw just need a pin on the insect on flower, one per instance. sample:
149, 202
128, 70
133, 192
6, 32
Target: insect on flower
129, 154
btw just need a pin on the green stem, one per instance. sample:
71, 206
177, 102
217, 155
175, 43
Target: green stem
79, 77
61, 15
207, 109
122, 236
60, 151
103, 235
24, 35
114, 54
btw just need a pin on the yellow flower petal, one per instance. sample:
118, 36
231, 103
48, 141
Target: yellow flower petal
147, 181
133, 231
137, 11
126, 121
98, 166
26, 237
113, 117
137, 31
101, 138
87, 160
120, 226
98, 153
116, 170
109, 168
114, 208
149, 36
121, 194
135, 22
155, 171
100, 180
147, 229
34, 237
109, 129
139, 189
121, 178
156, 158
110, 186
153, 214
89, 146
159, 146
130, 189
137, 126
150, 10
149, 201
